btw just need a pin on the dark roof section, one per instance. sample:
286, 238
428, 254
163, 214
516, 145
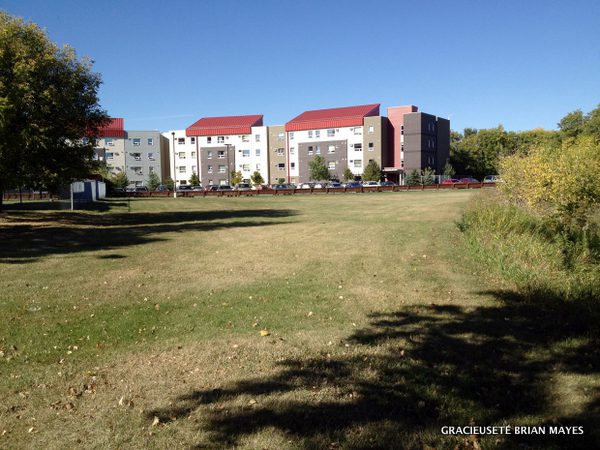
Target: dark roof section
115, 128
332, 118
227, 125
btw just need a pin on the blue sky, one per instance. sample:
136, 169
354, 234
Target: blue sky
165, 64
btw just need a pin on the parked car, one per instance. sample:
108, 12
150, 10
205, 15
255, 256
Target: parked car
162, 188
211, 187
306, 186
243, 187
320, 185
491, 179
184, 188
197, 188
335, 185
224, 187
370, 184
353, 184
279, 187
387, 183
468, 180
140, 189
451, 181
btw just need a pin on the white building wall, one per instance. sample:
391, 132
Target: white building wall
186, 158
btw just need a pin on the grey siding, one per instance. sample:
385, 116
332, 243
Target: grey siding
208, 161
340, 157
143, 155
378, 139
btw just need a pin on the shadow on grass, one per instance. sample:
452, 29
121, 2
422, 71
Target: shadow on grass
61, 205
415, 370
27, 235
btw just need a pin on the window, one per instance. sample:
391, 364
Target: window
181, 169
109, 141
209, 169
358, 147
137, 142
210, 181
150, 141
358, 131
310, 150
246, 167
151, 156
310, 133
151, 169
292, 165
280, 136
182, 182
317, 133
209, 154
109, 155
292, 151
257, 138
257, 166
245, 138
371, 148
401, 129
318, 149
291, 135
192, 140
208, 140
281, 166
194, 169
137, 156
358, 163
220, 139
193, 154
181, 155
371, 129
331, 165
330, 132
137, 170
221, 169
180, 141
221, 154
331, 149
245, 153
257, 152
280, 151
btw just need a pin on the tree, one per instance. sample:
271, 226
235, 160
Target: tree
372, 172
318, 169
572, 124
48, 107
348, 175
280, 180
413, 178
428, 176
449, 171
169, 183
153, 181
236, 177
194, 179
120, 180
257, 178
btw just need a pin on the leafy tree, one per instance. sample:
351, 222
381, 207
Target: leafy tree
428, 175
372, 172
48, 105
194, 179
449, 171
169, 183
413, 178
153, 181
572, 125
348, 175
236, 177
318, 169
592, 125
120, 180
257, 178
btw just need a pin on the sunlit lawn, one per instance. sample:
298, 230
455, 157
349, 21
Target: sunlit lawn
325, 321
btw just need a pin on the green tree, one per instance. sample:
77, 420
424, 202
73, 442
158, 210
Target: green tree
413, 178
280, 180
257, 178
348, 175
372, 172
428, 175
169, 183
195, 179
236, 177
449, 171
318, 170
120, 180
572, 125
48, 106
153, 181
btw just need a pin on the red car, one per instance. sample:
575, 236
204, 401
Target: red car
451, 181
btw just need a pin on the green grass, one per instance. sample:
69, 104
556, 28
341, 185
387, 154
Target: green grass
381, 328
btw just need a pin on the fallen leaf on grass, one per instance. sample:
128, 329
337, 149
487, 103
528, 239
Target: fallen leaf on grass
264, 333
156, 421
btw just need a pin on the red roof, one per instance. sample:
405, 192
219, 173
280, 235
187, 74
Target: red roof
211, 126
115, 128
332, 118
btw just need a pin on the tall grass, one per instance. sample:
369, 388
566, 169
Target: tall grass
539, 255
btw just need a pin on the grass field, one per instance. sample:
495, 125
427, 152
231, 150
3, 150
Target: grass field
339, 321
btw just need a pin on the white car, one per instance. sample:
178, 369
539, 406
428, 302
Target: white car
370, 184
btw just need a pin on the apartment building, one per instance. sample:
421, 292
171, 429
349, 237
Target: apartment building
135, 153
278, 162
347, 137
229, 143
183, 160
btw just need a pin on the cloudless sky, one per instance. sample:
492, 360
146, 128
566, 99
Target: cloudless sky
165, 64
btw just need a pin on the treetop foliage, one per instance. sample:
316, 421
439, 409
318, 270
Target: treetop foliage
318, 169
